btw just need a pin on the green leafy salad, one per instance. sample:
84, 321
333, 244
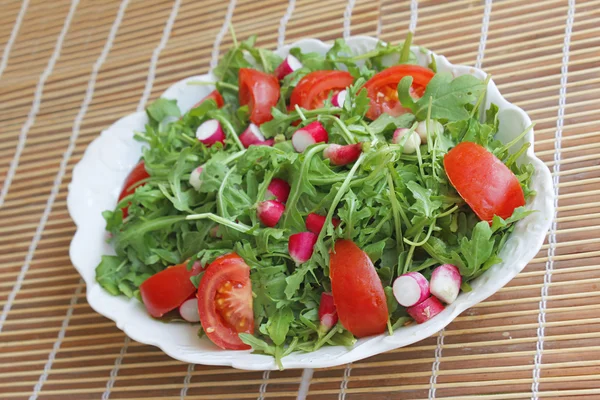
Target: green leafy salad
315, 199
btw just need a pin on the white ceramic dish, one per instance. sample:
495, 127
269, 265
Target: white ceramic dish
97, 180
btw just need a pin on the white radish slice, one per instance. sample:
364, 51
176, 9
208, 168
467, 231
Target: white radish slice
435, 129
195, 180
189, 310
426, 310
411, 144
339, 99
253, 136
210, 132
301, 245
445, 283
309, 135
411, 289
287, 66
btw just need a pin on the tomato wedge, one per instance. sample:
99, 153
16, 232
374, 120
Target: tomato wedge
357, 290
260, 92
214, 95
487, 185
166, 290
137, 174
382, 88
225, 302
312, 90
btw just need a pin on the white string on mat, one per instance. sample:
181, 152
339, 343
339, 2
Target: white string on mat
487, 10
414, 14
115, 371
156, 54
56, 347
214, 59
379, 27
562, 100
348, 18
435, 366
262, 390
344, 382
13, 36
35, 107
284, 21
305, 380
186, 381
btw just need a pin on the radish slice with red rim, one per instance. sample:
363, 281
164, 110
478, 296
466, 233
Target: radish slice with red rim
189, 310
410, 289
210, 132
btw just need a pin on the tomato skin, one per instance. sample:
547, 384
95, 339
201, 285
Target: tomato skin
137, 174
166, 290
487, 185
315, 87
382, 88
260, 92
228, 277
214, 95
357, 290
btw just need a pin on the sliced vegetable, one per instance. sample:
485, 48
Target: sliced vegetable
312, 90
210, 132
269, 212
339, 99
342, 154
435, 129
278, 190
312, 133
410, 289
315, 222
166, 290
487, 185
426, 310
382, 88
260, 92
252, 136
445, 283
189, 310
137, 174
301, 246
357, 290
225, 302
287, 66
327, 312
195, 180
411, 144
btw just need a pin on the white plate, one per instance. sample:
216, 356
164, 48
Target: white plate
97, 180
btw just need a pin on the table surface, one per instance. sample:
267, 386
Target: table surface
71, 68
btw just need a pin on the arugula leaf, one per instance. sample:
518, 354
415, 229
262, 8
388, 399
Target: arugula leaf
478, 248
162, 108
424, 204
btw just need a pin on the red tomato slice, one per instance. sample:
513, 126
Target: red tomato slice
214, 95
260, 92
487, 185
166, 290
315, 87
225, 302
357, 290
137, 174
382, 88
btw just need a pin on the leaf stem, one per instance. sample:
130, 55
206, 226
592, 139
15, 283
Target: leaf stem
238, 226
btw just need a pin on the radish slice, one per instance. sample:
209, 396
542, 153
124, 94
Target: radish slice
342, 155
412, 142
445, 283
270, 212
315, 222
278, 190
253, 136
210, 132
301, 245
309, 135
289, 65
195, 180
426, 310
189, 310
327, 312
410, 289
339, 99
435, 129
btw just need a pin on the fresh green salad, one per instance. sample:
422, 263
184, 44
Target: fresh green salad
315, 199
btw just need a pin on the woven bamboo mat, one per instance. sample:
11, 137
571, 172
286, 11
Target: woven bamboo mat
71, 68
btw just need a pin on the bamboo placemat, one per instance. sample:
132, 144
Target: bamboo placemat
71, 68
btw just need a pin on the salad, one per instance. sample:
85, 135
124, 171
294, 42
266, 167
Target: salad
316, 199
